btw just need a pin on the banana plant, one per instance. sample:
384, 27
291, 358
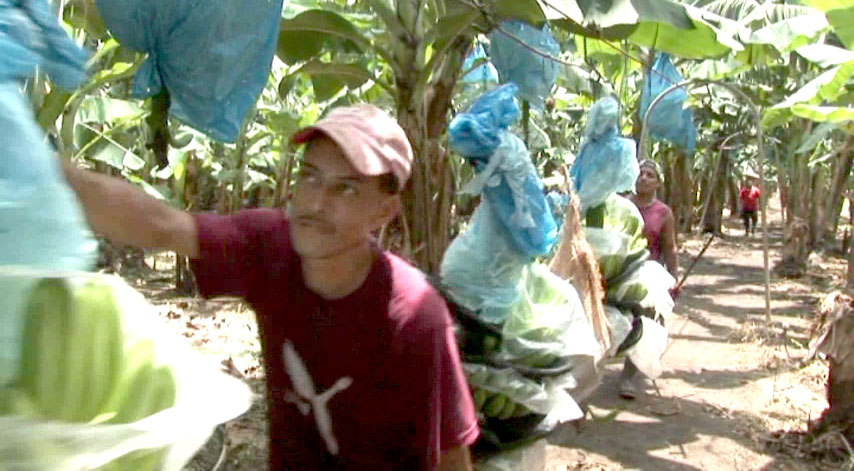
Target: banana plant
828, 97
405, 55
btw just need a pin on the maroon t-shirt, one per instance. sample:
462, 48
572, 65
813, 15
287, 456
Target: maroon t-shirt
398, 395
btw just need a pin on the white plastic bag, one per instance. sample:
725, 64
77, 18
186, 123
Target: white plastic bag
548, 322
652, 278
548, 398
610, 249
647, 352
658, 282
621, 327
206, 397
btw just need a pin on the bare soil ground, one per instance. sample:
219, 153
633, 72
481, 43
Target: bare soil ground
735, 394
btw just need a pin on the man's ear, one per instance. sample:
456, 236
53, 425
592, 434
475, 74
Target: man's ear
388, 210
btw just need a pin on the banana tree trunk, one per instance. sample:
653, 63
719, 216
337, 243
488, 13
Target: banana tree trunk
423, 115
833, 337
841, 173
732, 190
850, 280
801, 180
818, 182
427, 201
682, 193
716, 194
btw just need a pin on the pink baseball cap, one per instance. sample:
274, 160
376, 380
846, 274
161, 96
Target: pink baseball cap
372, 140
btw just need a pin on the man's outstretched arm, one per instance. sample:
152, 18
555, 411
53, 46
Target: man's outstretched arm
126, 215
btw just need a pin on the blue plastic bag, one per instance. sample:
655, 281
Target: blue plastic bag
668, 120
482, 269
475, 134
30, 38
511, 183
214, 57
535, 74
506, 175
484, 73
41, 222
606, 163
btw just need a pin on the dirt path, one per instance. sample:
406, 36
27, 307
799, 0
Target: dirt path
728, 381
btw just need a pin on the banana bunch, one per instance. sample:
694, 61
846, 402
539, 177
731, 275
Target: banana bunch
76, 365
497, 405
494, 393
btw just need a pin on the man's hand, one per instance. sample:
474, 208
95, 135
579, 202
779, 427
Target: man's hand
675, 292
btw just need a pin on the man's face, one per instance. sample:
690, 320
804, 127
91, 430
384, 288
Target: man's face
334, 207
647, 181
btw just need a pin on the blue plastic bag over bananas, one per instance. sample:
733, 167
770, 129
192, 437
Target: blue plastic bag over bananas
41, 223
669, 119
214, 56
512, 47
505, 174
606, 162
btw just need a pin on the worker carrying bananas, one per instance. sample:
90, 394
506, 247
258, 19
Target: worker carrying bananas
659, 228
363, 370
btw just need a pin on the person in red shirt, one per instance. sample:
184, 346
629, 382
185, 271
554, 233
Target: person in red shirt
363, 370
749, 199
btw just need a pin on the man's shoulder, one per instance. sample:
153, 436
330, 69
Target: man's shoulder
662, 206
264, 229
261, 218
414, 298
265, 217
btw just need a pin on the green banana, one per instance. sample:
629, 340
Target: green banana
44, 364
479, 376
508, 410
495, 405
75, 366
96, 303
490, 344
158, 393
521, 411
130, 399
480, 397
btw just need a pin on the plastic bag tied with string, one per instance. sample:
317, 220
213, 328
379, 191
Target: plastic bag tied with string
41, 222
510, 48
484, 73
669, 120
506, 176
606, 163
214, 57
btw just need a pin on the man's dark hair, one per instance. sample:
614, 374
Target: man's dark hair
388, 184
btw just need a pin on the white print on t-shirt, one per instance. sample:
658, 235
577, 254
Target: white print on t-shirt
307, 399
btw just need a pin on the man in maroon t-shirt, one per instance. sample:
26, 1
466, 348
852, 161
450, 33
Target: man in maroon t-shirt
362, 365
